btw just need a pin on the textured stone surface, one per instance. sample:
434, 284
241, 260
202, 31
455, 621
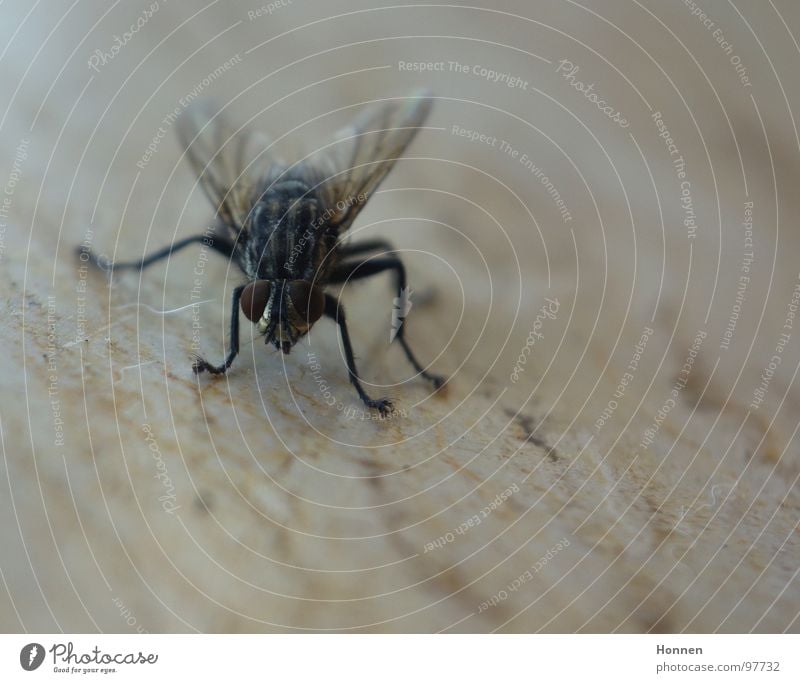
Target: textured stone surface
137, 496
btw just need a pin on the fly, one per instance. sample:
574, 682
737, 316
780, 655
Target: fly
283, 224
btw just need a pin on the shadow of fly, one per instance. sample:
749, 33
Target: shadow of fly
283, 224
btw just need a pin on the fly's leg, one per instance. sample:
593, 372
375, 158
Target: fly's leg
202, 365
220, 244
334, 311
354, 270
346, 250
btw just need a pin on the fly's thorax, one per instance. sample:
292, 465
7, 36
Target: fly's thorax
286, 226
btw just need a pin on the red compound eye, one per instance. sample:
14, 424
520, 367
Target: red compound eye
308, 301
254, 299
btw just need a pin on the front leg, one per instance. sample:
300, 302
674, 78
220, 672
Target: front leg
334, 311
201, 365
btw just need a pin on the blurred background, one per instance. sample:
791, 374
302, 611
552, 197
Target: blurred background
598, 223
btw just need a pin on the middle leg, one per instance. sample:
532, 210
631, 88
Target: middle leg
353, 270
218, 243
356, 249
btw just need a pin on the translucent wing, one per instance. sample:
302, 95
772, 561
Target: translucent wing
230, 162
365, 151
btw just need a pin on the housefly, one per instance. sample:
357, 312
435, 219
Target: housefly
283, 224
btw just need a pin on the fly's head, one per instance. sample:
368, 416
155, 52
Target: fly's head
283, 310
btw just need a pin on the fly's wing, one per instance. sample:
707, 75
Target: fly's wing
365, 151
230, 162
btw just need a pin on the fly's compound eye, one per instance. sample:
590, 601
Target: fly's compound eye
254, 299
308, 301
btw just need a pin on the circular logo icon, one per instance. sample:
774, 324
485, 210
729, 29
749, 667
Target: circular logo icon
31, 656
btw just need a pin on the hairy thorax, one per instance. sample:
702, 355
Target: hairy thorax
291, 237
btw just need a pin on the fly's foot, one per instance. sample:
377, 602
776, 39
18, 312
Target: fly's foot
438, 381
85, 254
201, 365
383, 405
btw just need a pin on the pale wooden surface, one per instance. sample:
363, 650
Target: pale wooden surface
292, 515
